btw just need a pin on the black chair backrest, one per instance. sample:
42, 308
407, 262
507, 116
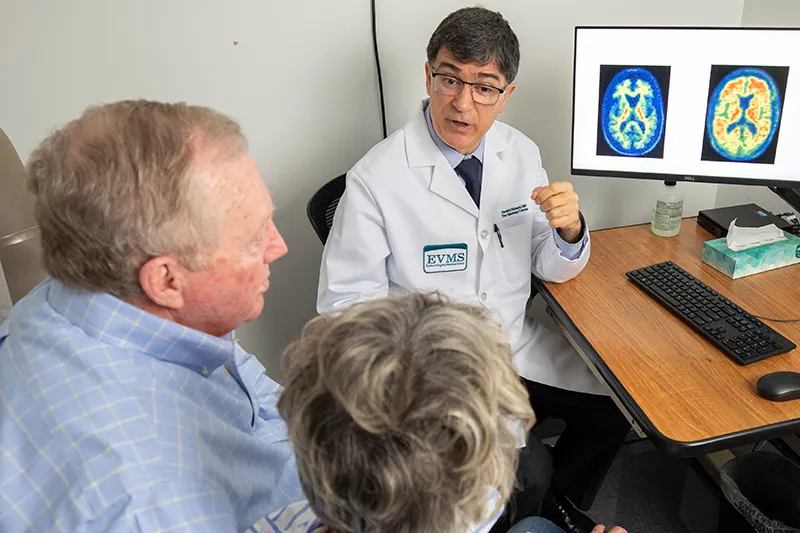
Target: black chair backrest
322, 206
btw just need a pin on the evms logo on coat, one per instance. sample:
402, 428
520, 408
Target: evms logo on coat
438, 258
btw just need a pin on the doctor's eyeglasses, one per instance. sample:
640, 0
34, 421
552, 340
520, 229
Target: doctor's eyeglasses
451, 86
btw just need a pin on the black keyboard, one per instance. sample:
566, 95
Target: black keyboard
736, 332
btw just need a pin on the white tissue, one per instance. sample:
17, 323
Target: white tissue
739, 238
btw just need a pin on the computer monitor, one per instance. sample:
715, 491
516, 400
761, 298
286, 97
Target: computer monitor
688, 104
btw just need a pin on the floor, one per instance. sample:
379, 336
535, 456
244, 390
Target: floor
642, 491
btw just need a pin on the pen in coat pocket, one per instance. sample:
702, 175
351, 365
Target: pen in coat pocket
499, 235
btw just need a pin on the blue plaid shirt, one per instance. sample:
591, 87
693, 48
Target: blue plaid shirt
299, 518
112, 420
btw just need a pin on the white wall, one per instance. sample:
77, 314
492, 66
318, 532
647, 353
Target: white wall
771, 13
761, 13
542, 105
300, 81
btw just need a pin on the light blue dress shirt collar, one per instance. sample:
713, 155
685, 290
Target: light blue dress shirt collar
173, 342
454, 157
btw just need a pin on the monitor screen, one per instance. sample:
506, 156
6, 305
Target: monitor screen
688, 104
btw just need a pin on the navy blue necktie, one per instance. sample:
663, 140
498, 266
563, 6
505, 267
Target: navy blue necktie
470, 170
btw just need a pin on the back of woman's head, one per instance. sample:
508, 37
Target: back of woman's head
405, 414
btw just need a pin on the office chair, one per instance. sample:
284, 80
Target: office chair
322, 206
20, 246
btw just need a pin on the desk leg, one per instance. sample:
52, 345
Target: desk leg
597, 375
789, 447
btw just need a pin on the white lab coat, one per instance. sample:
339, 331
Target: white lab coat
406, 221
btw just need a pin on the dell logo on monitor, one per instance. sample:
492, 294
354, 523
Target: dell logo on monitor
688, 178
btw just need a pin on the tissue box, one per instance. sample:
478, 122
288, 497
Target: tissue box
753, 260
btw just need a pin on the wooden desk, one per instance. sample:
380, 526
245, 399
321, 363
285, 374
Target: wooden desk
684, 393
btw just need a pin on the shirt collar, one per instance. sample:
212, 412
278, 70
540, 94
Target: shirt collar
453, 156
113, 321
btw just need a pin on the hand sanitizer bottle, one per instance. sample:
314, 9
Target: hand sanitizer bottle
668, 211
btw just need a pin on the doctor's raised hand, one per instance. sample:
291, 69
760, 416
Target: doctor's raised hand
559, 202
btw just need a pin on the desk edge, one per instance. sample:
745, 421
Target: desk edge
661, 441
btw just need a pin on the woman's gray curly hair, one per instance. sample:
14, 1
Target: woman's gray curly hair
405, 414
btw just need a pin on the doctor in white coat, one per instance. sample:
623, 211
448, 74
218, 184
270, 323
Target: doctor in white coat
460, 203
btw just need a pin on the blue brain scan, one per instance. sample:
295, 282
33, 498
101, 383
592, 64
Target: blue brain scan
633, 112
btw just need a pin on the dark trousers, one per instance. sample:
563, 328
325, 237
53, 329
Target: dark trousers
576, 465
595, 430
534, 475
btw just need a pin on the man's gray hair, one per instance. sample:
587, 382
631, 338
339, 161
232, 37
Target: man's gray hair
404, 413
119, 186
476, 34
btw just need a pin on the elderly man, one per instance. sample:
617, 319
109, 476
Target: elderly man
459, 202
125, 402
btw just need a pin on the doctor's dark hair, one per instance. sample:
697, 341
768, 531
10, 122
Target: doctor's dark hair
476, 34
404, 414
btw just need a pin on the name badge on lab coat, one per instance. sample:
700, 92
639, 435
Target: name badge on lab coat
437, 258
514, 215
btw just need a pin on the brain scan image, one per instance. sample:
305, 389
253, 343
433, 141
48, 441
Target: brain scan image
632, 112
744, 113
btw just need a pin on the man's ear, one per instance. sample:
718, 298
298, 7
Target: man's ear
163, 280
506, 94
428, 79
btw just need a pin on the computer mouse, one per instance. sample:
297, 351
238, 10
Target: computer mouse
780, 386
